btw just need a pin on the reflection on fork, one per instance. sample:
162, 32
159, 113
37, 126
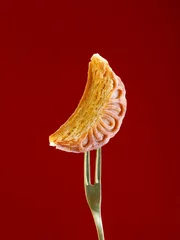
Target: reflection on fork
93, 192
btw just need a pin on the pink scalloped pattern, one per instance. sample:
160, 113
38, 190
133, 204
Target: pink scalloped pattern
110, 122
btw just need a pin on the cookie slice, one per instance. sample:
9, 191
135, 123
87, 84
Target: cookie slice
99, 114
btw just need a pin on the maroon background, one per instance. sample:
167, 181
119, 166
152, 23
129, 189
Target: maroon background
45, 47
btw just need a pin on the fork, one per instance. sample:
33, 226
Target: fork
93, 191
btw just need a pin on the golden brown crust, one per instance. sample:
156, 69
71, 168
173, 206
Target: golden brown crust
100, 112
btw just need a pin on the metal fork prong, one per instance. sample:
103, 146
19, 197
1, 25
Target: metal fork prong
87, 175
98, 166
93, 191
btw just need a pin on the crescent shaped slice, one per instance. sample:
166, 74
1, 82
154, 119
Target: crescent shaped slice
99, 114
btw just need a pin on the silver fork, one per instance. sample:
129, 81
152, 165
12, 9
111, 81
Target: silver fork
93, 192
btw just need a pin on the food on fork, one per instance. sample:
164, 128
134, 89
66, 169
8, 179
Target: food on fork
99, 114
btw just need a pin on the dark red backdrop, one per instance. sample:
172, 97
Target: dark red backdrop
45, 47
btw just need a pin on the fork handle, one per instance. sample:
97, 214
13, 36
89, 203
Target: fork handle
98, 223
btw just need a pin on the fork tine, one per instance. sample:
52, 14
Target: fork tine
87, 175
98, 166
93, 191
